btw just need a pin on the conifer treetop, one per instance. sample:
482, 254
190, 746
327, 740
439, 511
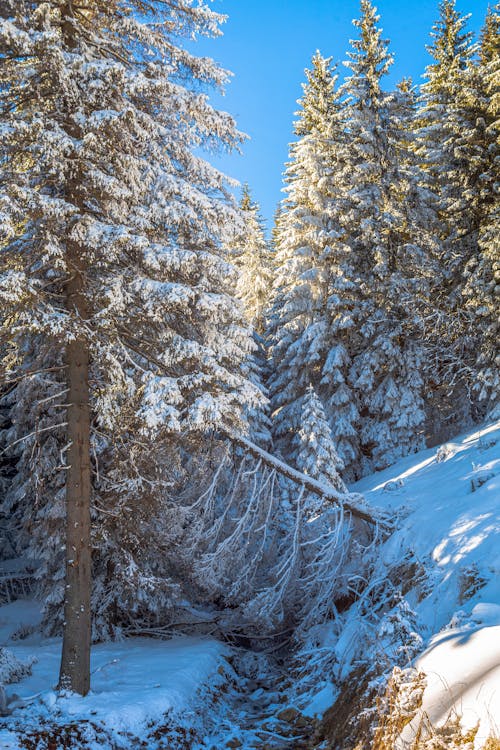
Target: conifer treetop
489, 48
317, 104
451, 48
370, 58
317, 455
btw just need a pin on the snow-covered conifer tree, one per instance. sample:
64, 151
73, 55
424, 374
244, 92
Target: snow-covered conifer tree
352, 262
442, 125
388, 253
250, 253
117, 323
479, 144
316, 455
312, 264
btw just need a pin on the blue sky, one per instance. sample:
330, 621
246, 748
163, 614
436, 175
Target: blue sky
268, 43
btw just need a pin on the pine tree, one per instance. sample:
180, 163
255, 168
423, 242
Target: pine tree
478, 144
317, 455
442, 123
312, 264
250, 253
389, 256
115, 308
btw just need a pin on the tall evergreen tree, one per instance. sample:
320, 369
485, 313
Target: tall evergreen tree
250, 253
479, 144
311, 258
388, 253
442, 123
117, 325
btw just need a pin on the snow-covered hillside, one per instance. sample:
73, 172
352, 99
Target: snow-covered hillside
439, 574
432, 599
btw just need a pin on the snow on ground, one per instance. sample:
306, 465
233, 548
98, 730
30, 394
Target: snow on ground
135, 683
450, 497
446, 506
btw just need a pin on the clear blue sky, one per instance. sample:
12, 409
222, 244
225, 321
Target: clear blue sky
268, 43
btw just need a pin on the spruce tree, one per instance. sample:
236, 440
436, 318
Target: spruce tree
442, 123
479, 144
118, 328
312, 260
250, 253
317, 455
389, 255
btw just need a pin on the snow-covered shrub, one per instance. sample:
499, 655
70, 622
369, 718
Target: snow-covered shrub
479, 478
444, 452
402, 723
12, 669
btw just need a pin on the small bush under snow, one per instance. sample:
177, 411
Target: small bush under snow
12, 669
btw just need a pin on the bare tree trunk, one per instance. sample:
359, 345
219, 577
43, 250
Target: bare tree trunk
75, 663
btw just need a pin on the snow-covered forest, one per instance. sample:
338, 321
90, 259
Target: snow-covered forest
248, 493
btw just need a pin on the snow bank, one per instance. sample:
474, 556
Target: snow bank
463, 676
135, 683
449, 499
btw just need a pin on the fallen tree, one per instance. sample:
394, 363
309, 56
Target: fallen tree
323, 490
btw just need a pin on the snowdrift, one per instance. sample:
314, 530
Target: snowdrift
142, 689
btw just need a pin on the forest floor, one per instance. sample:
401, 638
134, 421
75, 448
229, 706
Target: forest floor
441, 566
187, 693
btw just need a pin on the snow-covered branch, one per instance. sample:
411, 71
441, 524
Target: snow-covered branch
352, 503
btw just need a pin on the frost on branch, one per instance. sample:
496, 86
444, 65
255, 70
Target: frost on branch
269, 550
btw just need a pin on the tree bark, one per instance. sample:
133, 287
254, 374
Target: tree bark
74, 673
75, 662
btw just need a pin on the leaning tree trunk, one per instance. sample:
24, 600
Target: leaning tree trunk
75, 663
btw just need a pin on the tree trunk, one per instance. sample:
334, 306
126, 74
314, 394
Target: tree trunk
75, 663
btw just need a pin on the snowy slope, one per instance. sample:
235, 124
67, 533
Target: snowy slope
450, 502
